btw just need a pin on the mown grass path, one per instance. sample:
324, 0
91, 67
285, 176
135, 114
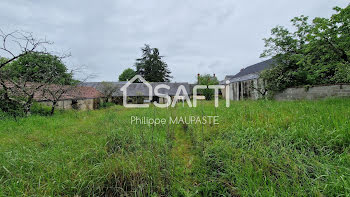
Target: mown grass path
183, 152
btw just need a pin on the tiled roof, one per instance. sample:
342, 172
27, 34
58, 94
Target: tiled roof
85, 93
71, 91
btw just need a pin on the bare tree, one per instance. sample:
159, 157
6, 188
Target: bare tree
55, 92
107, 89
25, 43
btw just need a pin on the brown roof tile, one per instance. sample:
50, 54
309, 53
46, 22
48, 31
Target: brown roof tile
76, 93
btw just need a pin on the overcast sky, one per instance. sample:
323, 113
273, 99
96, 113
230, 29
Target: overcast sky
199, 36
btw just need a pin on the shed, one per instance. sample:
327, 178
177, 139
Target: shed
246, 84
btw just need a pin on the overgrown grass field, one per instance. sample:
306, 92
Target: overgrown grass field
259, 148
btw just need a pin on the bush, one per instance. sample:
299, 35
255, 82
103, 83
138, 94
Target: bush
342, 74
40, 109
11, 108
3, 115
107, 104
207, 80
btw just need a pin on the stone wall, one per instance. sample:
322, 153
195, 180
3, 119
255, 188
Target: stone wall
66, 104
83, 104
86, 104
317, 92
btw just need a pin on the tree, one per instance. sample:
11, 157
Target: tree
18, 93
207, 80
35, 66
25, 43
108, 89
151, 66
127, 74
29, 68
54, 93
317, 52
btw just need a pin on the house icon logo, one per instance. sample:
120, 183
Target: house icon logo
125, 93
145, 89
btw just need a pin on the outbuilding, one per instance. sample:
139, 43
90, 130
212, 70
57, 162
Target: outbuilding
247, 84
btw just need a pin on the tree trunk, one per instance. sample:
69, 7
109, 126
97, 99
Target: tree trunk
53, 108
28, 105
27, 108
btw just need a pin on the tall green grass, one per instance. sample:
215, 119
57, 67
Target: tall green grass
259, 148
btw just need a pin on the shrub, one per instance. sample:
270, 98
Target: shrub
40, 109
11, 108
342, 74
107, 104
2, 114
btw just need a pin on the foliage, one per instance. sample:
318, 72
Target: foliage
151, 66
315, 53
207, 80
41, 68
10, 107
3, 60
127, 74
259, 148
3, 115
40, 109
107, 104
37, 67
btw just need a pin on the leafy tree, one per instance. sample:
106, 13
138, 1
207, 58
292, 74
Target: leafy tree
127, 74
42, 69
207, 80
16, 95
151, 66
317, 52
37, 67
27, 62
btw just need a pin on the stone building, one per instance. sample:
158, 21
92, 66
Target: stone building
65, 96
246, 84
79, 98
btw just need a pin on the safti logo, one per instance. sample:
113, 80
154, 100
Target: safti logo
181, 94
